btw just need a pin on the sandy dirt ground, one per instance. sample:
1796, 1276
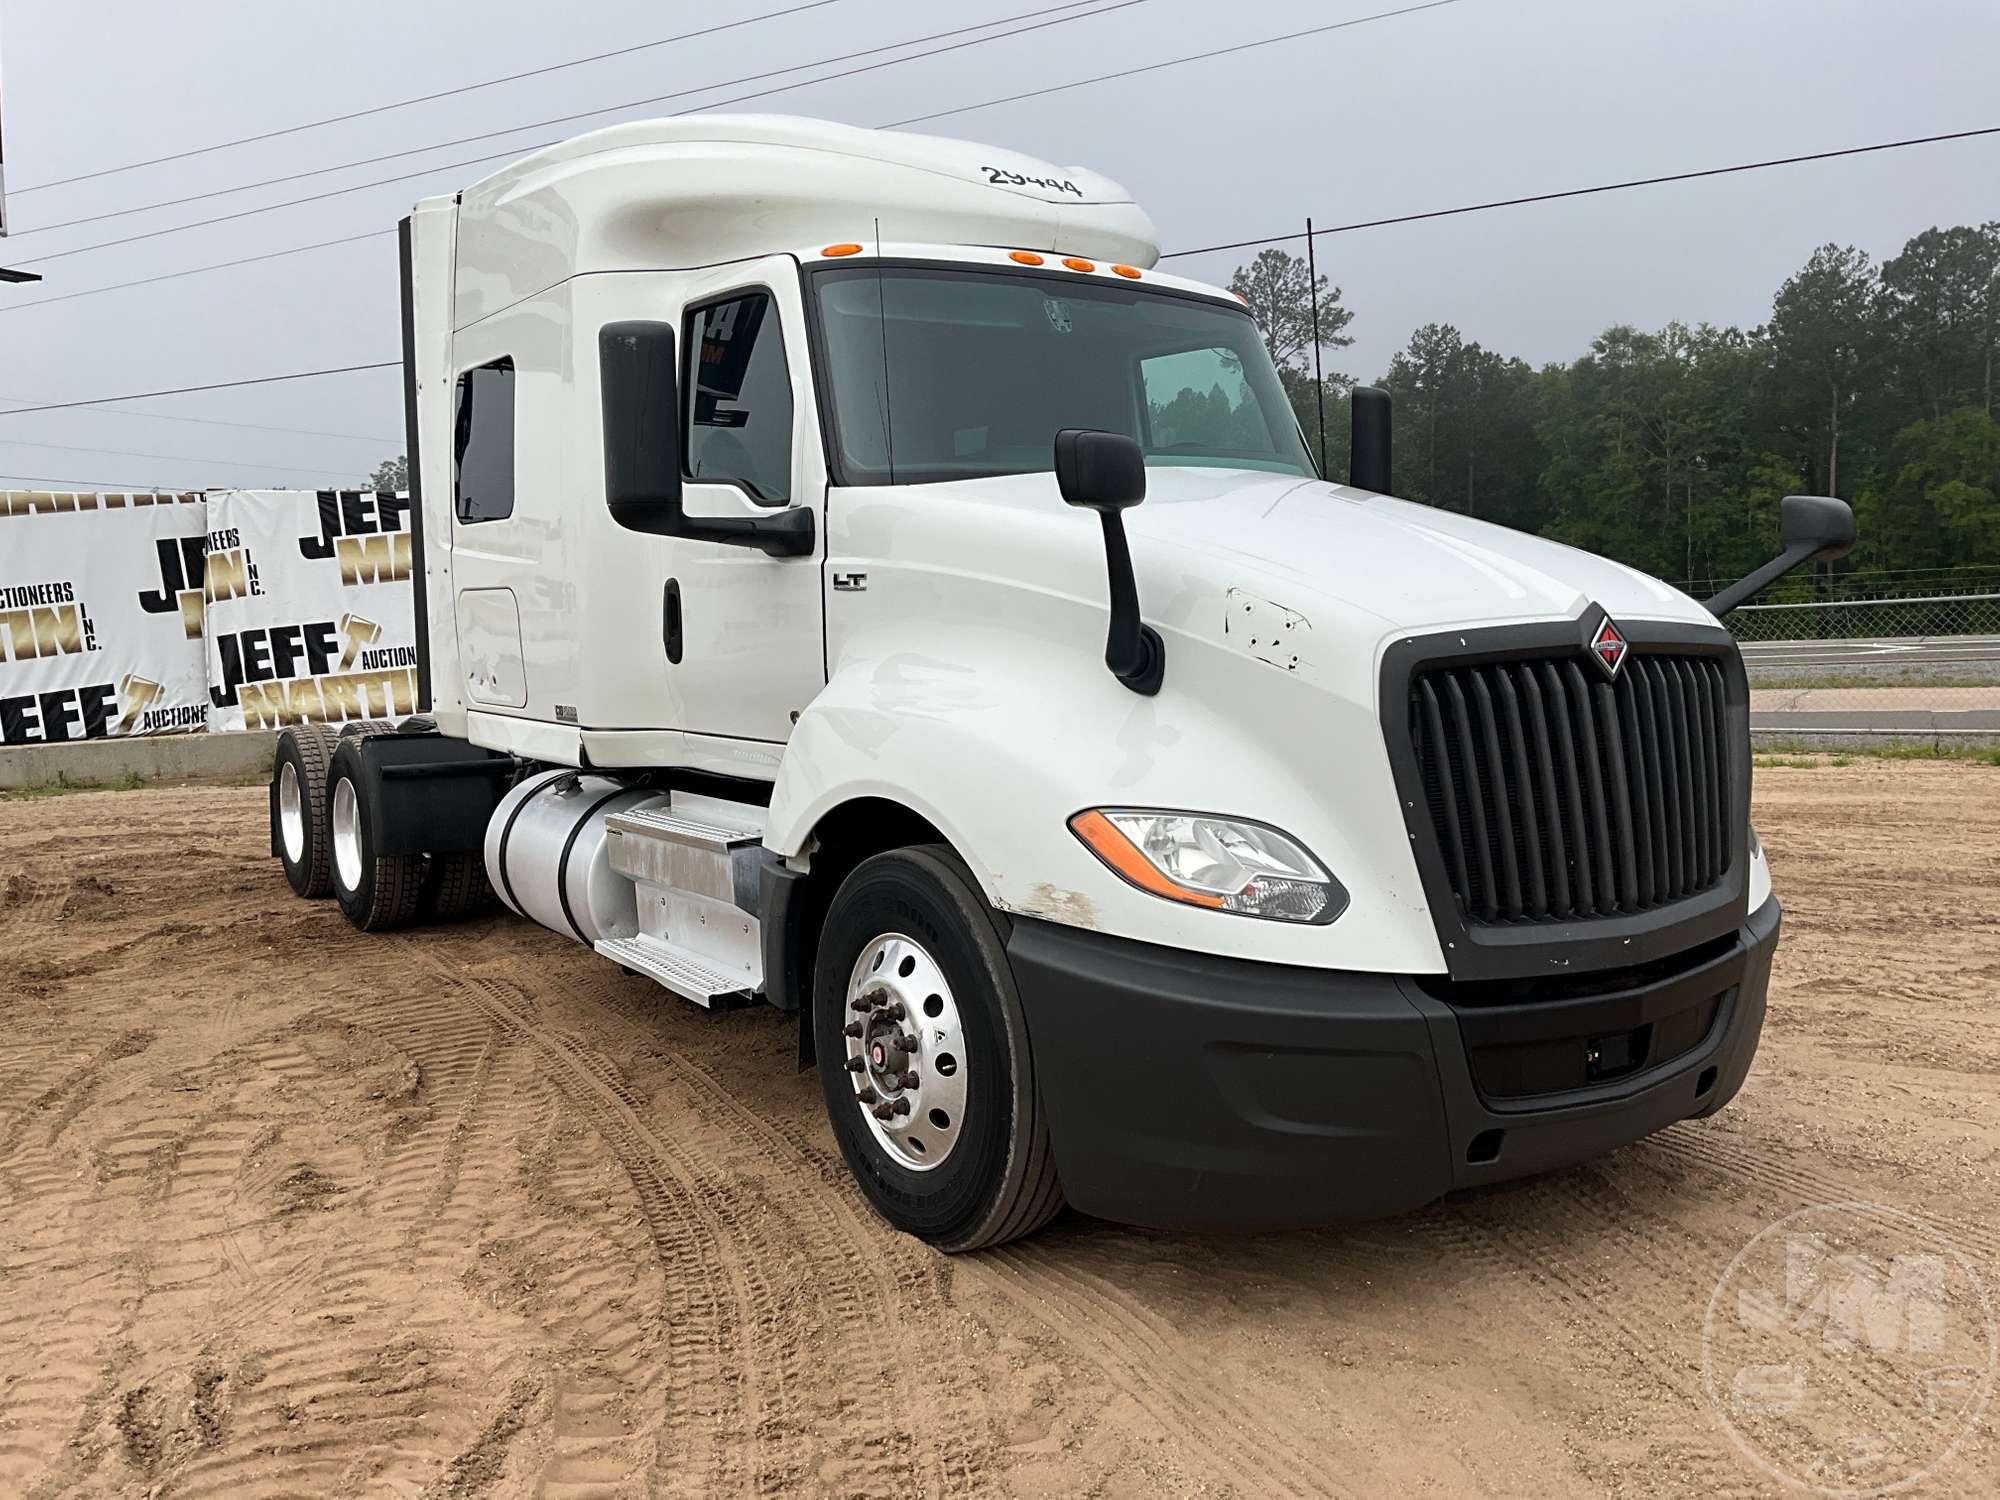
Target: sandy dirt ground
287, 1209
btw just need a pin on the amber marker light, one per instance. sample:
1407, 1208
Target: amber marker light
849, 248
1130, 272
1078, 263
1104, 840
1025, 257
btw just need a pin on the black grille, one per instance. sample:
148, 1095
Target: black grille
1557, 795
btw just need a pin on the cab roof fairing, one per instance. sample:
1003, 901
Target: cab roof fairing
704, 190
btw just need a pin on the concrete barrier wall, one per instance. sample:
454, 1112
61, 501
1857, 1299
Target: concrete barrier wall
153, 758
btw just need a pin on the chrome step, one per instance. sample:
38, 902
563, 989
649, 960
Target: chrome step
689, 849
675, 828
686, 974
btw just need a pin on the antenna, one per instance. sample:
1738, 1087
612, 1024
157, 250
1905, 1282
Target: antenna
1319, 380
882, 314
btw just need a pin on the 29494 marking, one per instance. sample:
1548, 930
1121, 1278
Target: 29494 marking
1001, 177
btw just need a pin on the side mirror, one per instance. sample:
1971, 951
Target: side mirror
1106, 472
1811, 528
639, 385
1818, 521
640, 390
1103, 471
1369, 430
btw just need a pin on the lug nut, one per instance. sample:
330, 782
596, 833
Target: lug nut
885, 1111
900, 1106
854, 1065
893, 1011
908, 1080
865, 1004
853, 1029
867, 1095
903, 1043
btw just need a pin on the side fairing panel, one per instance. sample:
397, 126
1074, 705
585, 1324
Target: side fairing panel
433, 228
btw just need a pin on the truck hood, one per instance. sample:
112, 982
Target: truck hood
1304, 543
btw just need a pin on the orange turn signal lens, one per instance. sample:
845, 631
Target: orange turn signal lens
1130, 271
1078, 263
1025, 257
850, 248
1103, 839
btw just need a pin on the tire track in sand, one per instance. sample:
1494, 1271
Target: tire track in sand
715, 1392
950, 1452
1152, 1364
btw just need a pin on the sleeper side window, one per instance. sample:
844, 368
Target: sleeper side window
739, 398
484, 444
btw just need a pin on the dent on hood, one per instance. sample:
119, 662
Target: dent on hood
1268, 631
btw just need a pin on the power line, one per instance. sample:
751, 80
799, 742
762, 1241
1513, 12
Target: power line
161, 416
1604, 187
189, 390
1278, 239
467, 140
176, 458
380, 109
1173, 62
221, 265
514, 151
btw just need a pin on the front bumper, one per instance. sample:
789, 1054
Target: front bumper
1185, 1090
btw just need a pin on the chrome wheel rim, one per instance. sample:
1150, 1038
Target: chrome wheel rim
906, 1054
291, 814
346, 835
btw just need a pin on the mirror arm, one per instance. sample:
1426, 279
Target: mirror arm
1133, 650
785, 533
1751, 585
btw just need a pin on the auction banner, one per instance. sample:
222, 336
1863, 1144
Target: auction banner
311, 614
100, 615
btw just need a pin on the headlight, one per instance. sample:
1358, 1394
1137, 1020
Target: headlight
1224, 864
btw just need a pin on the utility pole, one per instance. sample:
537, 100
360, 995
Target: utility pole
5, 274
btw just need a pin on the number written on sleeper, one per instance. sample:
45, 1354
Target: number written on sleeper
1001, 177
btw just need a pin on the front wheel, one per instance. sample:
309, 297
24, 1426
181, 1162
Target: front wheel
924, 1058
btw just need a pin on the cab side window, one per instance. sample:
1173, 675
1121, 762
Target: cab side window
739, 398
484, 444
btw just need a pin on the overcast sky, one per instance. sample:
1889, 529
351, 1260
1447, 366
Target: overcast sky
1475, 100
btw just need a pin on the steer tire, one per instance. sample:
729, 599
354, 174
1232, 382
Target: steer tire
304, 751
376, 891
995, 1179
455, 887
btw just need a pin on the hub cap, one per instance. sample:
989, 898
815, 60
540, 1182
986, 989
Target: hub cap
291, 814
905, 1051
346, 835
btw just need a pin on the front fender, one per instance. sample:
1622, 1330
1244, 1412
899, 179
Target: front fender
999, 737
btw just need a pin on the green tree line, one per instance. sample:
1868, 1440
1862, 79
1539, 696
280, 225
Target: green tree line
1670, 450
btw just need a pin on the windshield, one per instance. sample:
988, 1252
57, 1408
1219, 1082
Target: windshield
972, 373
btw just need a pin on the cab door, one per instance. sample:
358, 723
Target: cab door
750, 626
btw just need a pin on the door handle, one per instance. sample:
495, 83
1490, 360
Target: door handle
670, 620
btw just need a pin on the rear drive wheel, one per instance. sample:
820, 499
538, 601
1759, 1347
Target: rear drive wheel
299, 808
924, 1058
455, 886
376, 891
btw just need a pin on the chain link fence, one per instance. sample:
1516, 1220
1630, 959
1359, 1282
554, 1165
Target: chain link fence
1875, 659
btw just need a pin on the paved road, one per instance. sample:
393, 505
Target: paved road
1916, 706
1797, 657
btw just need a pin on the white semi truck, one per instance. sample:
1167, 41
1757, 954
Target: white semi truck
1270, 852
